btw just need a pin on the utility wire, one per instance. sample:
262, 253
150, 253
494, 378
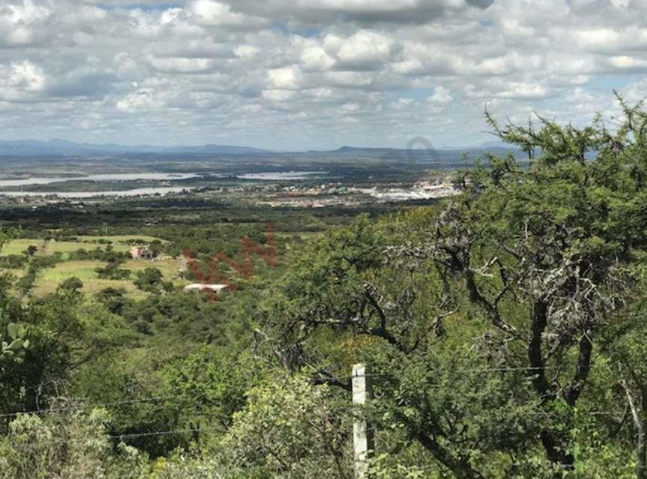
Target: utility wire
59, 410
479, 370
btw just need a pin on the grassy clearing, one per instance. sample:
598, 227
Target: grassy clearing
51, 247
121, 238
20, 245
301, 234
168, 267
89, 243
49, 279
16, 273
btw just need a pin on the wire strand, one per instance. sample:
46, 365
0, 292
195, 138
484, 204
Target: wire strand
58, 410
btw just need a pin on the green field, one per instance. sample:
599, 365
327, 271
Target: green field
17, 246
17, 273
301, 234
168, 267
121, 238
49, 279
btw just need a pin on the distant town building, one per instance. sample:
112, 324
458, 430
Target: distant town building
141, 252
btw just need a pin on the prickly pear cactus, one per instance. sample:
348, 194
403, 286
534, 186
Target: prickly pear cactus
15, 340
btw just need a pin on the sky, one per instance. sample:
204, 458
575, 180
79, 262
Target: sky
311, 74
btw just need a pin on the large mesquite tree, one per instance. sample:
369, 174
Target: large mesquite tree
561, 238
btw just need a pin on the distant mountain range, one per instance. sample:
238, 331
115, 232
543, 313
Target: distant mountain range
489, 147
68, 148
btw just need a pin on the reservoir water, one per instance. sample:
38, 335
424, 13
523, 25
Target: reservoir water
8, 183
95, 194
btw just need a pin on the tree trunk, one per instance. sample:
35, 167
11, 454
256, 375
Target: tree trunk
639, 423
461, 469
554, 452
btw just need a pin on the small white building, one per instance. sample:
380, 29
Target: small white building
216, 288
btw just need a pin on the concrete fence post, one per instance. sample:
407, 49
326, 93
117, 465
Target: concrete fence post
362, 434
